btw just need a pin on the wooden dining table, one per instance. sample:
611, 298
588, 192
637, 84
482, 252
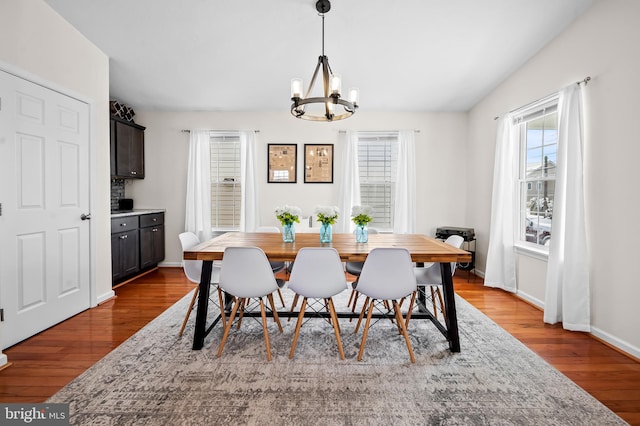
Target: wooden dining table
421, 248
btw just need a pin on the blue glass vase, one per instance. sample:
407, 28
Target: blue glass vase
362, 234
326, 233
288, 233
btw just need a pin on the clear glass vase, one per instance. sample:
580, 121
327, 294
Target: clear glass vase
288, 233
326, 233
362, 234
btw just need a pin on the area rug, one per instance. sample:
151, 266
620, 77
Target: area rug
154, 378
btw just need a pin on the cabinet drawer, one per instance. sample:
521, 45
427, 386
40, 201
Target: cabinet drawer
122, 224
152, 219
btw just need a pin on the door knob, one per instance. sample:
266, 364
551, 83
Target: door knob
85, 216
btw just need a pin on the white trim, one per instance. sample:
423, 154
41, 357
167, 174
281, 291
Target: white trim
3, 359
617, 343
106, 296
536, 302
532, 251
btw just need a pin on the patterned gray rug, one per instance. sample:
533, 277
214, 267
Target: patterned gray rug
154, 378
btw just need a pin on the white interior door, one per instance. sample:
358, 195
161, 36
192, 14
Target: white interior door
44, 189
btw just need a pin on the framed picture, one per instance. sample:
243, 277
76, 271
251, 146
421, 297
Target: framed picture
318, 163
282, 163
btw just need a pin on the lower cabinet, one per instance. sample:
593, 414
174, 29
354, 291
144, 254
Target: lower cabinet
137, 244
151, 239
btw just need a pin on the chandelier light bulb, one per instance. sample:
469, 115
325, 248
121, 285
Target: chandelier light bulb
296, 87
336, 84
353, 95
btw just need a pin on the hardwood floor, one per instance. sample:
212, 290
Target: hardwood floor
48, 361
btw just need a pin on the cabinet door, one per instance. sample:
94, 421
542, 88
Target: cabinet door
151, 246
113, 147
124, 254
129, 151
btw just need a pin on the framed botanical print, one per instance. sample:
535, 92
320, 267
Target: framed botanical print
282, 163
318, 163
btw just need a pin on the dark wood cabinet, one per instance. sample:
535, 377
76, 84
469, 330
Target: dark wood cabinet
137, 244
151, 239
125, 244
127, 149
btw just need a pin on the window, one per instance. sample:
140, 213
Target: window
225, 183
538, 130
377, 163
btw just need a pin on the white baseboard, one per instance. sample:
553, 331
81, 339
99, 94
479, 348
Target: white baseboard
616, 342
106, 296
3, 360
536, 302
170, 264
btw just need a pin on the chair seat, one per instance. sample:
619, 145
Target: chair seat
354, 268
277, 266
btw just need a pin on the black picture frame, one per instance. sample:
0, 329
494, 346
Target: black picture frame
318, 163
282, 163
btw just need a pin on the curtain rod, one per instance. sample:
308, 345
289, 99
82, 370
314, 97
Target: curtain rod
215, 130
377, 131
585, 80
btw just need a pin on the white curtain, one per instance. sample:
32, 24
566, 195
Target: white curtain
198, 203
349, 193
501, 262
567, 290
249, 203
404, 213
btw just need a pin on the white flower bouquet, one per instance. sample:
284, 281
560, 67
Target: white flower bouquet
288, 214
361, 215
327, 214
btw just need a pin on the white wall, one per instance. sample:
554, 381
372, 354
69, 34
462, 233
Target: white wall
602, 44
440, 159
39, 45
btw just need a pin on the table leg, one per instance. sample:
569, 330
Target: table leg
451, 317
203, 305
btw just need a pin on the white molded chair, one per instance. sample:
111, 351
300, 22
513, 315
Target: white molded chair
431, 275
318, 275
276, 266
387, 275
193, 269
245, 283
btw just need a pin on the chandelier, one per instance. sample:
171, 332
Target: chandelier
331, 106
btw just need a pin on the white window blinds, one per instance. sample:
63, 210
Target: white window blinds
225, 182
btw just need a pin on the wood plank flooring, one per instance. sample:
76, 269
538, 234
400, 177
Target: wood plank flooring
46, 362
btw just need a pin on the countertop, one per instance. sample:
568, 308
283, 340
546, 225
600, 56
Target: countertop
135, 212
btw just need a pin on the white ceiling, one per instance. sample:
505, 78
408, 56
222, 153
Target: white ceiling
240, 55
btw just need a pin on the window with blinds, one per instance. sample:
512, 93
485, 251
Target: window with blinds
377, 163
225, 183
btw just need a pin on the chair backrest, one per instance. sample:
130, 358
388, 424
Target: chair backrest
192, 268
246, 272
387, 273
317, 273
433, 275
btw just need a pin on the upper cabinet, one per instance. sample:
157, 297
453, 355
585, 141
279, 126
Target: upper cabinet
127, 149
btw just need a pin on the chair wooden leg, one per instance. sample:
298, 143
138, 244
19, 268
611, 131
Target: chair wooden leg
223, 315
336, 328
366, 331
410, 311
227, 329
444, 314
298, 326
399, 320
293, 305
364, 308
327, 304
243, 302
276, 319
264, 328
433, 301
189, 309
281, 299
355, 294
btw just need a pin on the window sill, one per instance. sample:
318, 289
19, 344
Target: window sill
532, 251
